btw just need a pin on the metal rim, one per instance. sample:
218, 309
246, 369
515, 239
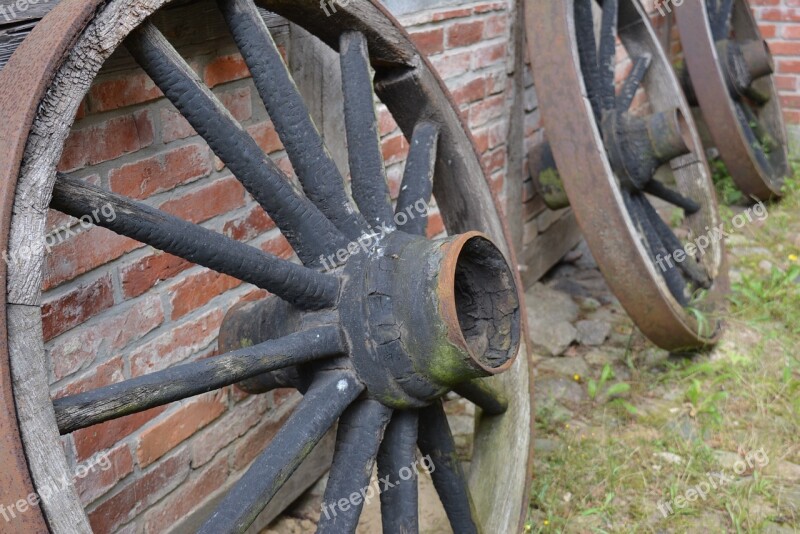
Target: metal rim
367, 34
606, 174
731, 72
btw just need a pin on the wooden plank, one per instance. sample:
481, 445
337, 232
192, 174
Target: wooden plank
548, 248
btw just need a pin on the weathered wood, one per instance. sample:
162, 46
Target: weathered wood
360, 432
398, 450
183, 381
324, 402
515, 172
481, 394
417, 184
548, 248
302, 286
38, 423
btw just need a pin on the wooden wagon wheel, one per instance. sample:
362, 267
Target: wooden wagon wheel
731, 70
373, 341
608, 157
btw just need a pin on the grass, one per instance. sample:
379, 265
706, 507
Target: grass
647, 435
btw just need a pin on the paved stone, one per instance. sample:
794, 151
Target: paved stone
592, 333
552, 339
558, 388
550, 306
564, 366
606, 355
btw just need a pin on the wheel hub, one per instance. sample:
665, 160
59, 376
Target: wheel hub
423, 316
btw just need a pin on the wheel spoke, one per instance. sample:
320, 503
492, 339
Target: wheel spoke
608, 53
417, 182
659, 190
691, 269
370, 190
183, 381
400, 505
309, 232
587, 50
303, 287
720, 21
436, 441
632, 83
751, 127
658, 252
329, 395
479, 392
321, 179
358, 437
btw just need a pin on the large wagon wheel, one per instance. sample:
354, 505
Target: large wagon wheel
731, 70
608, 157
373, 342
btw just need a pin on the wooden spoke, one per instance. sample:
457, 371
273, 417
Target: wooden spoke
484, 396
183, 381
363, 140
309, 232
436, 441
294, 283
658, 252
587, 49
693, 271
400, 506
321, 179
358, 437
417, 185
657, 189
721, 20
329, 395
633, 82
752, 128
608, 53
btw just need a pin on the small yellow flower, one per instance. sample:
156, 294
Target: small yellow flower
792, 257
576, 377
546, 522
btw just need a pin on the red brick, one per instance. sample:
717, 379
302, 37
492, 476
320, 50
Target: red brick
435, 224
495, 26
208, 202
144, 178
91, 440
143, 274
139, 494
80, 254
106, 373
118, 463
429, 42
452, 64
266, 137
464, 33
394, 149
119, 92
172, 430
472, 91
278, 246
386, 123
184, 500
222, 433
174, 126
73, 351
248, 226
62, 313
254, 443
486, 110
106, 141
225, 69
451, 14
784, 48
176, 345
486, 56
239, 102
197, 290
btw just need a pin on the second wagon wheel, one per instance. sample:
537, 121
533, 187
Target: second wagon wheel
373, 343
613, 149
731, 72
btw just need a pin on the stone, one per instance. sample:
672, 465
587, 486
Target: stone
590, 304
568, 367
592, 333
669, 457
559, 388
549, 305
606, 355
552, 339
653, 357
